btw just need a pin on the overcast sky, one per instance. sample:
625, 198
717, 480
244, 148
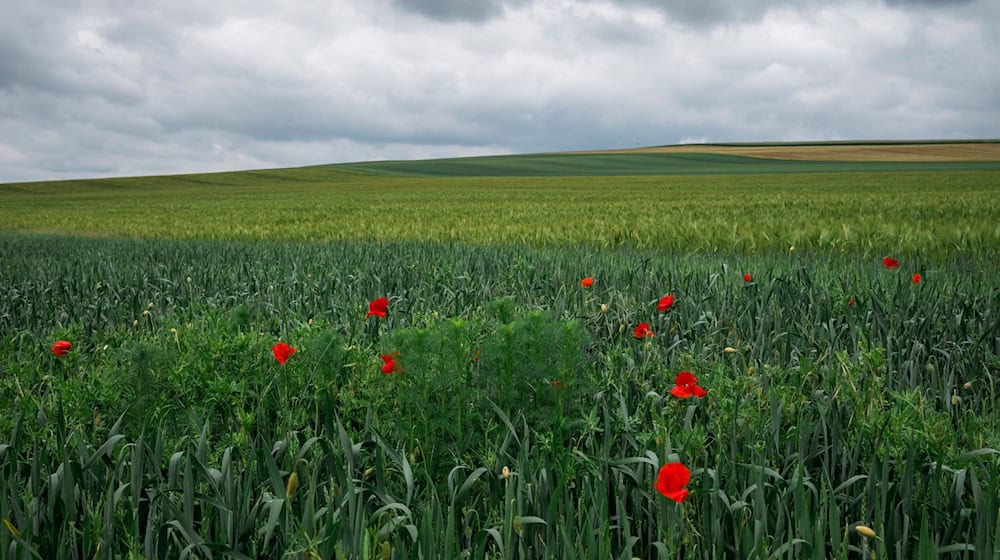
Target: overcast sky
117, 87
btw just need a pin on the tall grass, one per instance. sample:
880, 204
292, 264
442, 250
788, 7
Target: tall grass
170, 431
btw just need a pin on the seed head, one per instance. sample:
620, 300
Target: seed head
865, 531
505, 472
14, 532
293, 483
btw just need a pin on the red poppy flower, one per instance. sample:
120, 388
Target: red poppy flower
282, 352
587, 282
61, 347
390, 365
557, 383
890, 263
378, 307
850, 302
687, 386
747, 277
671, 480
666, 302
916, 277
642, 331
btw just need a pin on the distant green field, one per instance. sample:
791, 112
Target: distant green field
872, 212
525, 380
564, 165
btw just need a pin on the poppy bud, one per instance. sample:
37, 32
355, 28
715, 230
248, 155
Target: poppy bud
293, 483
865, 531
135, 323
505, 472
750, 370
604, 308
149, 306
730, 350
956, 400
145, 313
369, 471
791, 249
967, 386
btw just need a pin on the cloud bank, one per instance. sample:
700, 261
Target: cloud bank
90, 89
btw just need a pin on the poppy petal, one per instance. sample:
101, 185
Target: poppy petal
680, 392
685, 378
678, 495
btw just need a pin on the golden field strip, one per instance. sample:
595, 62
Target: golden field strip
907, 152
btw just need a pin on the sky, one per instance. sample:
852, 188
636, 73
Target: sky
101, 88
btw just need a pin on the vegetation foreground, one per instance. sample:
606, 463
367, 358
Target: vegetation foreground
419, 396
520, 415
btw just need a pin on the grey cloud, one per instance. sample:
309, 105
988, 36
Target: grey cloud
458, 10
930, 3
690, 12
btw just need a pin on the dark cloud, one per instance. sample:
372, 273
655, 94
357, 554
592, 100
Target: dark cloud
458, 10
